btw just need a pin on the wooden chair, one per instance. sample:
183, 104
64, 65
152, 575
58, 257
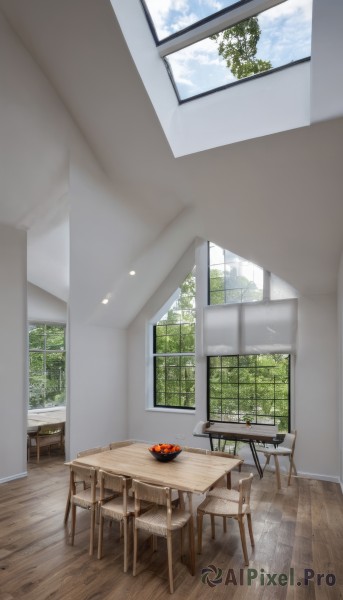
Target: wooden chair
87, 498
286, 448
161, 520
114, 445
195, 450
46, 436
79, 454
120, 508
223, 507
228, 475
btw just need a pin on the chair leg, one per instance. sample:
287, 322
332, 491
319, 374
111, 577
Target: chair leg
73, 520
135, 545
91, 541
67, 508
213, 528
267, 462
250, 529
199, 519
243, 540
224, 524
126, 553
100, 538
170, 561
291, 468
191, 545
277, 472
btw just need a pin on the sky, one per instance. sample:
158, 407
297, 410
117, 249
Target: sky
285, 37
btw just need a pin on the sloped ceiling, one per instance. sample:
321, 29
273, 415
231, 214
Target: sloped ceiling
275, 200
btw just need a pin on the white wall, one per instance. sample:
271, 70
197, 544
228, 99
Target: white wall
97, 409
13, 348
44, 307
316, 373
340, 364
315, 394
326, 63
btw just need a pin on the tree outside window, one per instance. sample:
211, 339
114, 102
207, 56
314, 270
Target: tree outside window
47, 365
174, 348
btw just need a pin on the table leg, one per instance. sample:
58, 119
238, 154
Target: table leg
211, 441
255, 457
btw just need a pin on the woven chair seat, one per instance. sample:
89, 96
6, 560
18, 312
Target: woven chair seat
274, 451
83, 498
114, 508
224, 494
155, 520
221, 507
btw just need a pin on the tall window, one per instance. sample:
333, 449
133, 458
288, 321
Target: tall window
232, 279
174, 348
47, 362
249, 386
254, 386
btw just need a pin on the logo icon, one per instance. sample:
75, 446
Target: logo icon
211, 575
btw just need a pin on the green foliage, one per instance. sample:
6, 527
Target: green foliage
226, 287
254, 385
46, 366
238, 46
175, 334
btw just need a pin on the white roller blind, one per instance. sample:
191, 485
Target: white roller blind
251, 328
221, 329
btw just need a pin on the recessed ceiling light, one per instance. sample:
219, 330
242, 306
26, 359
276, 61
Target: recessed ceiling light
104, 301
132, 272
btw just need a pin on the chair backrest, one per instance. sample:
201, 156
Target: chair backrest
87, 475
152, 493
114, 445
195, 450
244, 487
289, 441
226, 455
89, 451
51, 429
115, 483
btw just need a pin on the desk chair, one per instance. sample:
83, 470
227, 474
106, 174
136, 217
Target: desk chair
286, 448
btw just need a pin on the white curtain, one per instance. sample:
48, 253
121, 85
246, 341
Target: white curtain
251, 328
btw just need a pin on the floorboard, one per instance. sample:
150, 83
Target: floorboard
297, 528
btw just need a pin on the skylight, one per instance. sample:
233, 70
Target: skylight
169, 17
274, 38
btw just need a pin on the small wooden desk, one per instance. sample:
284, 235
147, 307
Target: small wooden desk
189, 472
242, 433
48, 417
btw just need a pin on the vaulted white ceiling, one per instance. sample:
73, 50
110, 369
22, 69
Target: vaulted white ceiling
65, 68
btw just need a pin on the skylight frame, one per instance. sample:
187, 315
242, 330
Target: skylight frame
213, 23
204, 28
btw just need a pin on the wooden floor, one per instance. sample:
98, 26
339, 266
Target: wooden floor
298, 528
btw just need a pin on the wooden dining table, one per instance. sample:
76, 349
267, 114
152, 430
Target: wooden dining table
188, 472
243, 433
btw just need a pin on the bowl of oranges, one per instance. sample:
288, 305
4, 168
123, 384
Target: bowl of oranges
165, 452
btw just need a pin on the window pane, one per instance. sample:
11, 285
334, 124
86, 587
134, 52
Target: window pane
175, 381
259, 393
55, 338
36, 337
240, 280
46, 368
277, 37
171, 17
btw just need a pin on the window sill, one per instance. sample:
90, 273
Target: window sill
181, 411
